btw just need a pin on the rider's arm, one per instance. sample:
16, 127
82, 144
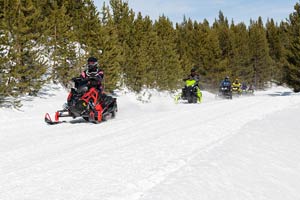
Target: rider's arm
101, 73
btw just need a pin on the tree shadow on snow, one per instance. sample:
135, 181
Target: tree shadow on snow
276, 94
48, 91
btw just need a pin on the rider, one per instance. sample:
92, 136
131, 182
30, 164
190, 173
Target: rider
93, 71
237, 84
192, 75
92, 77
225, 83
244, 86
195, 76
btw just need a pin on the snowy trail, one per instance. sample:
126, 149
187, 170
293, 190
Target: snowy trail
135, 156
261, 161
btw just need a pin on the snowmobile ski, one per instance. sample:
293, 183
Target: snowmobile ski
49, 121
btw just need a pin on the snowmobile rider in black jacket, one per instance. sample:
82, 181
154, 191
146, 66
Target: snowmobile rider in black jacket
92, 77
194, 76
93, 71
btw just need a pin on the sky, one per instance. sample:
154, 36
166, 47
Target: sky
238, 10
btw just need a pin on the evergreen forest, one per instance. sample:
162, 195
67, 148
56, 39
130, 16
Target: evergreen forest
44, 41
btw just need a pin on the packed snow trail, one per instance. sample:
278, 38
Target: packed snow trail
261, 161
147, 150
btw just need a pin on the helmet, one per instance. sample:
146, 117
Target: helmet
226, 77
92, 64
193, 71
236, 80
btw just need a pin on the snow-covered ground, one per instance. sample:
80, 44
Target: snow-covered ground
245, 148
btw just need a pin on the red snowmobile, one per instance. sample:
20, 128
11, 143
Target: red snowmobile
85, 101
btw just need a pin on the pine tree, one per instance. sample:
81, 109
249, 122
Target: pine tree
151, 47
276, 50
4, 76
207, 55
142, 70
111, 57
259, 52
60, 42
123, 18
184, 44
285, 41
27, 67
221, 26
76, 11
293, 53
1, 10
90, 25
240, 60
137, 61
169, 72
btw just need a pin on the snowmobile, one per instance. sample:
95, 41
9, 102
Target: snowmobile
250, 92
244, 92
236, 91
85, 101
247, 91
225, 92
190, 92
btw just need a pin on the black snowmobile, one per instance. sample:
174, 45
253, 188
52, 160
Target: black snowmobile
85, 101
225, 92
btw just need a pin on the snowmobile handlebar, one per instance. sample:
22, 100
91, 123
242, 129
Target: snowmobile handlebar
76, 79
80, 79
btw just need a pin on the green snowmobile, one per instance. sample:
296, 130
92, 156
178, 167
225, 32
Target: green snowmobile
190, 92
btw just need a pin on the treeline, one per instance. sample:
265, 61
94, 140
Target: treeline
42, 40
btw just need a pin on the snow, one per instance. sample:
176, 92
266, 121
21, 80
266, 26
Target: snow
246, 148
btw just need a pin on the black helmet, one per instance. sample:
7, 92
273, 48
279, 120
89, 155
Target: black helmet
92, 64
